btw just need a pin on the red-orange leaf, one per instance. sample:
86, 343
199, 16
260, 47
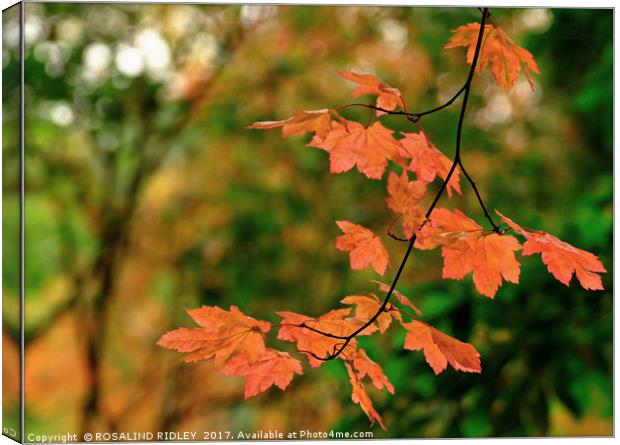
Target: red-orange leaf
361, 398
427, 161
272, 368
365, 366
314, 121
366, 308
335, 322
403, 199
388, 97
466, 248
365, 249
350, 144
562, 259
498, 50
223, 335
441, 349
402, 299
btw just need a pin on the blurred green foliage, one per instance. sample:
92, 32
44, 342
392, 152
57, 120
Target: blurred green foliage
146, 195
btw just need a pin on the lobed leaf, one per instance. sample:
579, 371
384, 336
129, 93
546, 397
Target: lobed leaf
315, 121
365, 249
427, 162
562, 259
360, 397
505, 57
272, 368
466, 248
388, 97
350, 144
441, 349
222, 336
403, 199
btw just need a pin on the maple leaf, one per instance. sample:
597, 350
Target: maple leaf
402, 299
314, 121
361, 398
388, 97
403, 199
334, 322
562, 259
365, 366
466, 248
427, 161
366, 308
349, 144
363, 246
272, 368
223, 335
441, 349
505, 57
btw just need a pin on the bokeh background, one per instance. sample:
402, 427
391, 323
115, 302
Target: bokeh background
146, 195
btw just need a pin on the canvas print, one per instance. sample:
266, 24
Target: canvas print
280, 222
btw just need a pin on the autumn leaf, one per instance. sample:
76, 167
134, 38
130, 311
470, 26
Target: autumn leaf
388, 97
365, 249
335, 322
272, 368
505, 57
365, 366
403, 199
441, 349
562, 259
222, 335
466, 248
366, 308
427, 162
361, 398
314, 121
349, 144
402, 299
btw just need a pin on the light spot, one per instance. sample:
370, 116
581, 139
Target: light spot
156, 53
251, 14
61, 114
537, 20
70, 30
96, 58
498, 109
129, 60
393, 33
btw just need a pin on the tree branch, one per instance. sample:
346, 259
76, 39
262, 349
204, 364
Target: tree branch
456, 161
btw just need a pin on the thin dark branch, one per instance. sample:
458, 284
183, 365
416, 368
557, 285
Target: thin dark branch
413, 117
456, 161
496, 229
396, 238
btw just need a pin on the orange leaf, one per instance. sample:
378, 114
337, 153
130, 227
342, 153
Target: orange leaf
272, 368
361, 398
334, 322
427, 161
365, 366
316, 121
467, 249
441, 349
366, 308
223, 335
388, 97
363, 246
404, 196
402, 299
505, 57
350, 143
562, 259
